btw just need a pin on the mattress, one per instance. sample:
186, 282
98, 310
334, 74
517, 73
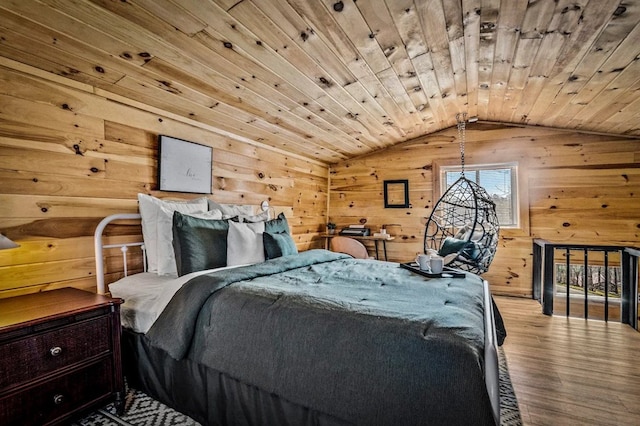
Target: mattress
146, 295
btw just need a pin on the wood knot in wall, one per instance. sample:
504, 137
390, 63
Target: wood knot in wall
325, 82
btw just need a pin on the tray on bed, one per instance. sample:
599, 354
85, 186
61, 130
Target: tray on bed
446, 272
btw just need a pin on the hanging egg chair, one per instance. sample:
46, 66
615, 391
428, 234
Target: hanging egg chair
463, 226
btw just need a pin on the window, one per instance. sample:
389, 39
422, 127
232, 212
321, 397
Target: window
500, 182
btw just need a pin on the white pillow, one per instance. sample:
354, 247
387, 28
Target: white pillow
231, 210
260, 217
244, 243
463, 233
208, 215
150, 210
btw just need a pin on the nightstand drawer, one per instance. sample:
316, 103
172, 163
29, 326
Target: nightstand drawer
55, 399
28, 358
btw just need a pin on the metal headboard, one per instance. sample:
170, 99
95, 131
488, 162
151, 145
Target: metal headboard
124, 247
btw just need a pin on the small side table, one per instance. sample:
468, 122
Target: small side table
59, 356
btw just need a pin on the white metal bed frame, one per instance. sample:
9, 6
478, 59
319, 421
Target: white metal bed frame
124, 247
491, 370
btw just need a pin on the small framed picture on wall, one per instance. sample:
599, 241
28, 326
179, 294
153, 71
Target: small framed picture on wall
184, 166
396, 194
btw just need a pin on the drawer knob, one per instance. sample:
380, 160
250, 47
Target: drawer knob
55, 351
58, 399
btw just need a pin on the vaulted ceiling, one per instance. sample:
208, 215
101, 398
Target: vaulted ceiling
332, 79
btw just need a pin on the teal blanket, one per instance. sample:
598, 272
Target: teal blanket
174, 329
366, 342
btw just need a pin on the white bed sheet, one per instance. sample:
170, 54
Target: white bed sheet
146, 295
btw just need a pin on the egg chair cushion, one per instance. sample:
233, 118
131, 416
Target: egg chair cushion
450, 245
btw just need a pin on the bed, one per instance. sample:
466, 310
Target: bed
314, 338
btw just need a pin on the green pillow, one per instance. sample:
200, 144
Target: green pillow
199, 244
451, 245
278, 244
277, 225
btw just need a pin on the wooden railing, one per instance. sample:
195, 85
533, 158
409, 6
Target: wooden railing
544, 274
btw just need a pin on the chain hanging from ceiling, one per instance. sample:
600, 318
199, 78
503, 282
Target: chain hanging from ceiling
461, 124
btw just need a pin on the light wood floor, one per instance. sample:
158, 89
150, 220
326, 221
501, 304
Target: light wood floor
568, 371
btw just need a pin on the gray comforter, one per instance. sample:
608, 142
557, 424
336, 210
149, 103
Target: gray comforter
362, 341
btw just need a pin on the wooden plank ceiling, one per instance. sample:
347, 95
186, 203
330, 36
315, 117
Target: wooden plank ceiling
331, 79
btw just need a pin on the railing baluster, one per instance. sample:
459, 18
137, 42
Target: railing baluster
586, 283
606, 286
567, 261
537, 272
547, 280
629, 309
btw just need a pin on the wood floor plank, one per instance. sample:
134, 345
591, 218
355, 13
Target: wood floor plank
568, 371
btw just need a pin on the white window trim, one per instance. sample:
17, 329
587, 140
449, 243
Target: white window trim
522, 229
513, 166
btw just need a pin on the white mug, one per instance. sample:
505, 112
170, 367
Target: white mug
423, 261
436, 264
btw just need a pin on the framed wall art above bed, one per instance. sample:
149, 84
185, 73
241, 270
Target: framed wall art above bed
184, 166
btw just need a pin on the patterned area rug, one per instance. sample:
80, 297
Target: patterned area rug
509, 410
141, 410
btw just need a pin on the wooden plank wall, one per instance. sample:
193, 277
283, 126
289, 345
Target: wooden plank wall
71, 154
580, 188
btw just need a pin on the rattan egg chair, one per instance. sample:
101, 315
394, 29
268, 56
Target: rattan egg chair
463, 226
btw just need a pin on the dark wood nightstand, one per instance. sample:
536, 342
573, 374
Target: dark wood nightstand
59, 356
